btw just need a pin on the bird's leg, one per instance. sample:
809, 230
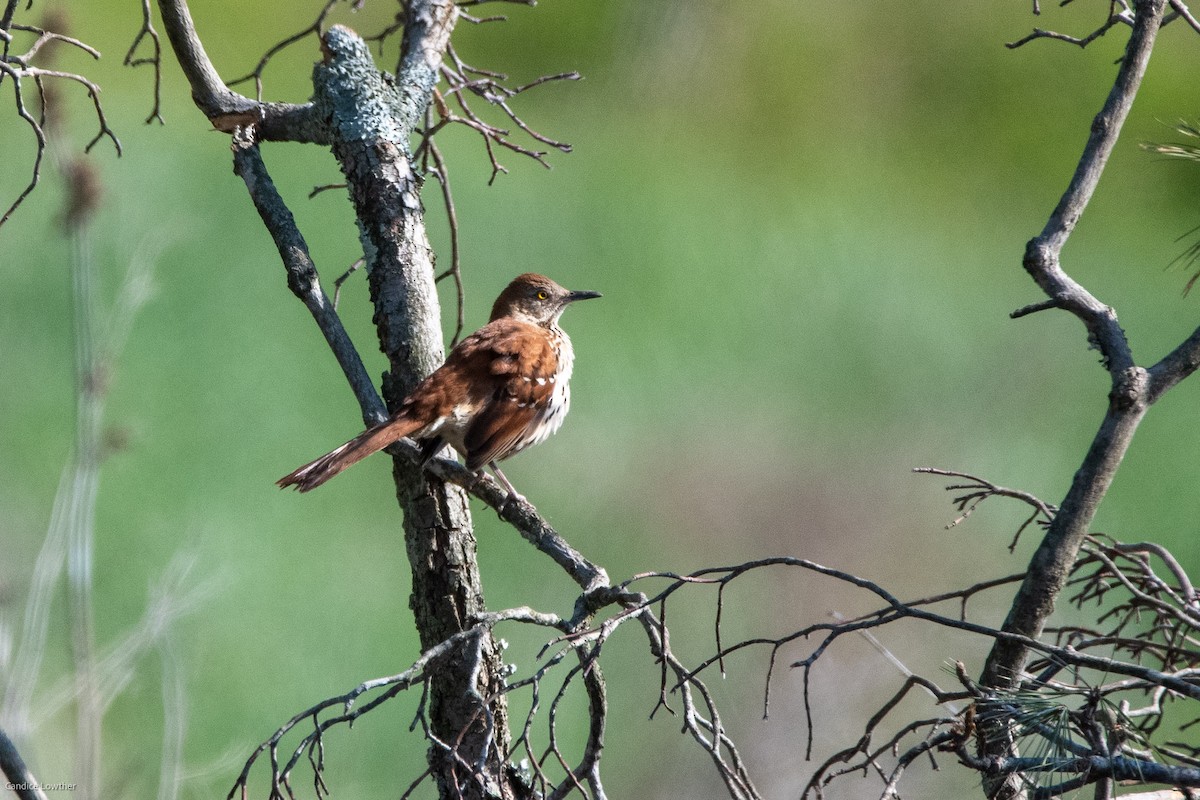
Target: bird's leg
513, 494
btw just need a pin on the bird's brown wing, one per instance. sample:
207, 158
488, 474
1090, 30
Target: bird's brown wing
500, 377
522, 364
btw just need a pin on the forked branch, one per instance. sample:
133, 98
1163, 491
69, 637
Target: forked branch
1130, 396
20, 69
147, 33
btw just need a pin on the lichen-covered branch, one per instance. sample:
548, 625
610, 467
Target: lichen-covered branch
370, 120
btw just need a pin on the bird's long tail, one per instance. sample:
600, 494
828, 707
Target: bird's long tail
372, 440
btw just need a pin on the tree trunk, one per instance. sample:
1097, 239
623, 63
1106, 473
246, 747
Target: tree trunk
371, 118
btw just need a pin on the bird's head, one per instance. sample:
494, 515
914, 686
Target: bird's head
536, 299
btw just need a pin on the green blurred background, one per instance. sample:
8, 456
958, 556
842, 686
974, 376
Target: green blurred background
807, 221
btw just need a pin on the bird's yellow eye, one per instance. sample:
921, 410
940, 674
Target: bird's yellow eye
542, 295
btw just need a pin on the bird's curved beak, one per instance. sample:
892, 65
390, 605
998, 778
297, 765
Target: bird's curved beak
573, 296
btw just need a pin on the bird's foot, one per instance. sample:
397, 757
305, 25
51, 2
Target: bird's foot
511, 499
513, 495
510, 503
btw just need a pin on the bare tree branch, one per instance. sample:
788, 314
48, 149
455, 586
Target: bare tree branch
21, 69
154, 60
435, 165
699, 712
1098, 738
209, 92
1118, 16
1180, 8
1129, 397
21, 780
1174, 367
225, 108
376, 693
313, 29
1090, 769
463, 79
978, 490
302, 274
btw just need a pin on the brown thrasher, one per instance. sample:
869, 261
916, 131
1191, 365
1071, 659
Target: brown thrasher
503, 388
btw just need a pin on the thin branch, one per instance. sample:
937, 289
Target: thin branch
864, 748
337, 284
1119, 17
438, 170
351, 711
19, 68
699, 713
1043, 252
979, 490
147, 32
952, 732
1033, 308
93, 93
39, 135
371, 695
20, 779
45, 37
313, 29
1177, 611
463, 79
896, 609
302, 274
1190, 596
1174, 367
